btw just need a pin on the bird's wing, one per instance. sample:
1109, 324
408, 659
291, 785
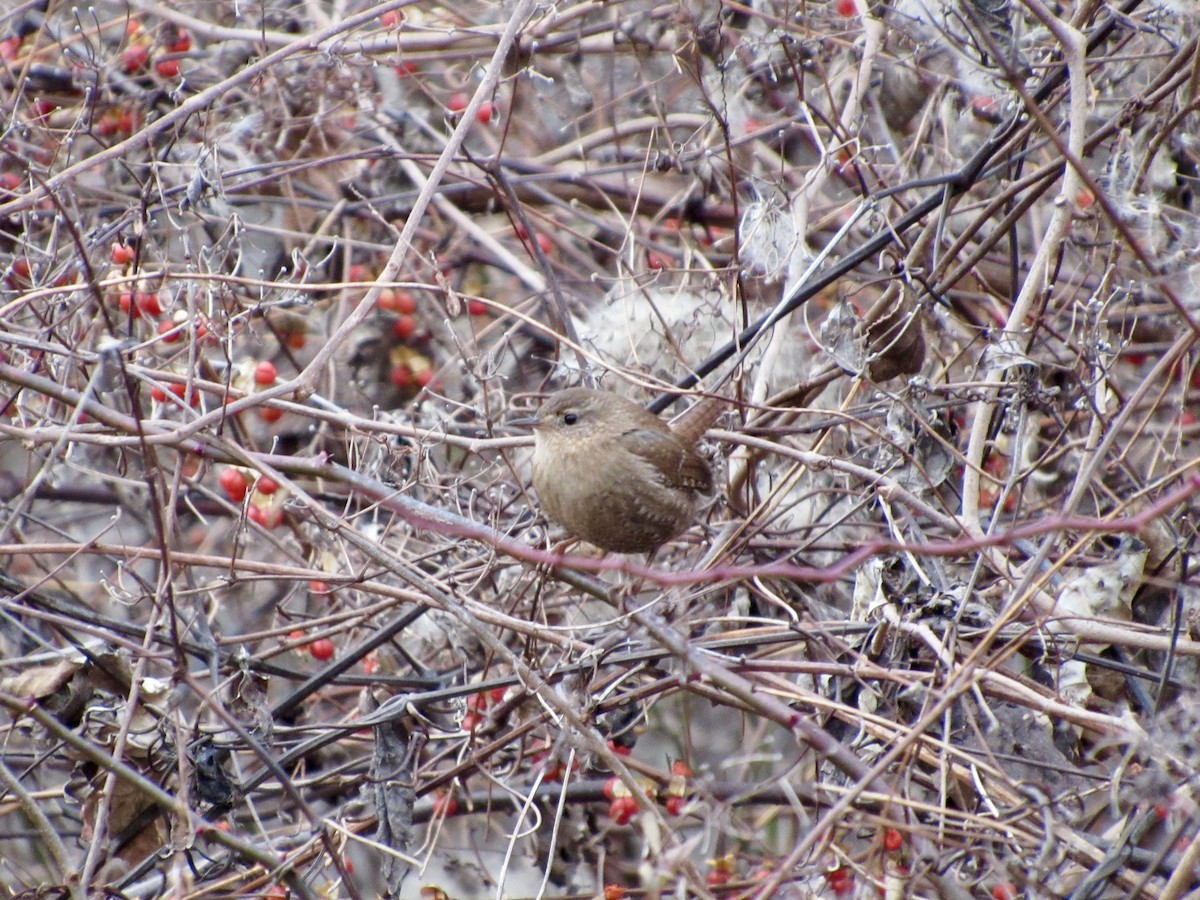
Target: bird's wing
686, 468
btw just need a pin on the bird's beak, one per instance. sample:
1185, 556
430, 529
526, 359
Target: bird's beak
523, 422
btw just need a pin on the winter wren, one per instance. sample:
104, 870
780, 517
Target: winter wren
613, 473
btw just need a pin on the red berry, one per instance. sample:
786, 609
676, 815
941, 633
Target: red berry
622, 809
614, 892
147, 302
457, 102
122, 254
444, 805
167, 68
483, 115
270, 414
125, 301
391, 19
655, 260
266, 484
265, 373
10, 49
318, 587
893, 840
107, 125
847, 8
423, 378
269, 517
717, 877
404, 327
10, 181
157, 394
1004, 890
476, 308
387, 300
181, 391
406, 303
682, 769
321, 649
840, 880
405, 69
400, 376
610, 788
296, 339
986, 108
134, 58
182, 42
171, 333
674, 805
233, 483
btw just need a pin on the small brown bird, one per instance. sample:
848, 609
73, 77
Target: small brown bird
613, 473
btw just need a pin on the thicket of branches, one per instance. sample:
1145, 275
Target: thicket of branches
278, 615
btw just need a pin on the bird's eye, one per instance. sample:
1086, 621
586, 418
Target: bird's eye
570, 418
